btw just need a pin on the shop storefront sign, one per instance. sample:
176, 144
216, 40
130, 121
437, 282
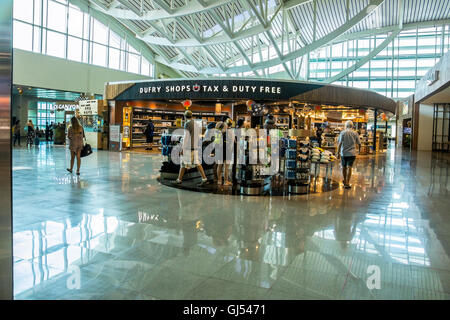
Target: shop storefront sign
63, 107
214, 88
88, 107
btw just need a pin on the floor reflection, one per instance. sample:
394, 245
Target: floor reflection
133, 238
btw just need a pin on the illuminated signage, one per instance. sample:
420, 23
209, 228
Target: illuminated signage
63, 107
216, 89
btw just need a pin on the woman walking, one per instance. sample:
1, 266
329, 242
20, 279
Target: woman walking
30, 133
75, 133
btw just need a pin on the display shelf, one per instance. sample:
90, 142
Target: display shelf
164, 120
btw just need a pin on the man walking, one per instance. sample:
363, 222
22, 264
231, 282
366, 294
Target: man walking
190, 157
348, 139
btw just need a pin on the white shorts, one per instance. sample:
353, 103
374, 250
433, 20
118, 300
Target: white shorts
190, 159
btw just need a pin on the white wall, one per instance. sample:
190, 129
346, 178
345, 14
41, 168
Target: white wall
425, 134
42, 71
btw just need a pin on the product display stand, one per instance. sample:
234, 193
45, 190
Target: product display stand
329, 142
298, 166
169, 169
249, 175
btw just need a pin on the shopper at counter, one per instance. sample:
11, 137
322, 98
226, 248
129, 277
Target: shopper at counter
239, 126
149, 132
319, 133
270, 123
222, 161
348, 139
190, 145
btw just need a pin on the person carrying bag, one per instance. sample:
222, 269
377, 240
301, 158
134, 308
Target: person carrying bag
75, 134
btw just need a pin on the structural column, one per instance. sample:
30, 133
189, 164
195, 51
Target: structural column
375, 115
6, 260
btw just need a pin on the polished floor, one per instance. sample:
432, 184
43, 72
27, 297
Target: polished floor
115, 232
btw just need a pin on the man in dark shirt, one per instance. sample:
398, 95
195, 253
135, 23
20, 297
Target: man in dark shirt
149, 132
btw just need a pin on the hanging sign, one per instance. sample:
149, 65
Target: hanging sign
186, 103
88, 107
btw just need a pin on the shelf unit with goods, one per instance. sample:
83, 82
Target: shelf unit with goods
163, 121
282, 121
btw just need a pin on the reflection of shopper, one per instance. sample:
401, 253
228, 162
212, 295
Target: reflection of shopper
190, 157
348, 139
16, 132
149, 133
75, 133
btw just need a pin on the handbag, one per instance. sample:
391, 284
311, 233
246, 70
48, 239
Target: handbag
87, 150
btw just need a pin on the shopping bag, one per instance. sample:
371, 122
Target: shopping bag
87, 150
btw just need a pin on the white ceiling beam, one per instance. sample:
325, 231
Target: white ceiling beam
251, 7
295, 3
368, 9
116, 26
372, 32
192, 7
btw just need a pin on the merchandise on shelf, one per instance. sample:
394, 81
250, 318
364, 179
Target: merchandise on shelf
322, 156
297, 164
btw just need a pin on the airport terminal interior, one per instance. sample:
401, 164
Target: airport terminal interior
302, 73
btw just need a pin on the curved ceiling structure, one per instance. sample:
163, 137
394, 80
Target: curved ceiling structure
245, 36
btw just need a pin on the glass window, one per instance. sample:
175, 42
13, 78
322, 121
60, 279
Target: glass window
123, 60
145, 67
75, 22
57, 16
133, 63
85, 51
37, 39
87, 24
100, 32
23, 10
407, 84
37, 12
74, 49
22, 36
114, 40
360, 84
56, 43
114, 58
132, 49
99, 55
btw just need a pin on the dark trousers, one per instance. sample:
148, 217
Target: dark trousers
16, 138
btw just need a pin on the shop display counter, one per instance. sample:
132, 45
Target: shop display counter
294, 176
